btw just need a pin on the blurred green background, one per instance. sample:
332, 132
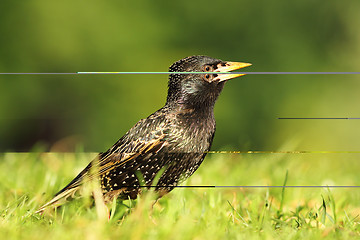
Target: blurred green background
90, 112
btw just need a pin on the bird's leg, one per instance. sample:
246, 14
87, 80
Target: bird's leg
102, 210
152, 209
153, 203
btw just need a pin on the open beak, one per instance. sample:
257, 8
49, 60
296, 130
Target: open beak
227, 67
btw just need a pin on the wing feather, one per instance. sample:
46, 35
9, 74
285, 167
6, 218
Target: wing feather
136, 149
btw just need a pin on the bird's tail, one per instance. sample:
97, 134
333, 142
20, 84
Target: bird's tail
68, 192
60, 198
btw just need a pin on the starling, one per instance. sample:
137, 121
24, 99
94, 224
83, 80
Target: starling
174, 139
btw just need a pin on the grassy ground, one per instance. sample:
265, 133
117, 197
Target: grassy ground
27, 180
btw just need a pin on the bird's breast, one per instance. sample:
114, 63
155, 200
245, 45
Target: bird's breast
193, 134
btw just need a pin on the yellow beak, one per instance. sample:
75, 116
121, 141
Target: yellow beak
229, 66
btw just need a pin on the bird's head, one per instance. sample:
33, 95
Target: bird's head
199, 91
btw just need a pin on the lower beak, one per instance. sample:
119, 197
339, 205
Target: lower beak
227, 67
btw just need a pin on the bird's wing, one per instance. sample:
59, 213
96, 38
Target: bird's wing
129, 148
103, 164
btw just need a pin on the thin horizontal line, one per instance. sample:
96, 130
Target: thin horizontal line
293, 186
82, 73
342, 118
28, 73
282, 152
221, 152
300, 72
218, 72
247, 186
314, 118
160, 73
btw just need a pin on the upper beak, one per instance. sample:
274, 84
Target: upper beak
229, 66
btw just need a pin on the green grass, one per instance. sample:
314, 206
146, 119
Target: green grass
27, 180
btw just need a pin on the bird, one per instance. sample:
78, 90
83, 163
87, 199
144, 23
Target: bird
173, 141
